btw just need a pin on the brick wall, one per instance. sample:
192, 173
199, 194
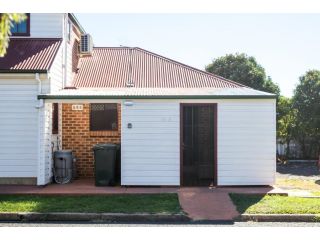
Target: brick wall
76, 135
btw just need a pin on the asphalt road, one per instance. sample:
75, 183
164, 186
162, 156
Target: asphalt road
216, 224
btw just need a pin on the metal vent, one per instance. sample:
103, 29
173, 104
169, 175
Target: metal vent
86, 44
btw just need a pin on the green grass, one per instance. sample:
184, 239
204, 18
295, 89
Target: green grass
275, 204
137, 203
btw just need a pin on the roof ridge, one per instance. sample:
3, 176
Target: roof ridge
115, 47
190, 67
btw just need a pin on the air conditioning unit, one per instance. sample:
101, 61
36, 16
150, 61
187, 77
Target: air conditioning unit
86, 44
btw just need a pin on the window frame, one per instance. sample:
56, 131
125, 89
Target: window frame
96, 129
27, 33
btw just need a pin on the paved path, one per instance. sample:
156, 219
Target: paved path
82, 187
206, 204
215, 204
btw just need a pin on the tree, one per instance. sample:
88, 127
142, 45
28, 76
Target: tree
6, 22
271, 87
245, 70
286, 122
306, 100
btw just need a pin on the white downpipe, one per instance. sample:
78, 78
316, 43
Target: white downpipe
39, 107
65, 51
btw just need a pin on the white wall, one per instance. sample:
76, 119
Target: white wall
46, 25
44, 140
150, 149
246, 142
56, 72
18, 127
70, 44
21, 135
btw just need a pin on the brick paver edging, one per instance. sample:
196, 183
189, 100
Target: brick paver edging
107, 217
280, 217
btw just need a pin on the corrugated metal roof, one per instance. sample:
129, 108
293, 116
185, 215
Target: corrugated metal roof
118, 67
240, 92
28, 54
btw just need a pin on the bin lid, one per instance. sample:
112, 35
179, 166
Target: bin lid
63, 151
104, 146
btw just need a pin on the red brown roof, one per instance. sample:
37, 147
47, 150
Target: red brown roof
29, 54
121, 67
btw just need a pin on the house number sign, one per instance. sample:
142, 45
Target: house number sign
77, 107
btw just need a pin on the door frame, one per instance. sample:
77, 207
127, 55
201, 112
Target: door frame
215, 138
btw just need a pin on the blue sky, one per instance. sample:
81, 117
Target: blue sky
286, 45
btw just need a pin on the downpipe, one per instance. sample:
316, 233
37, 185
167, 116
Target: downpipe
39, 106
41, 102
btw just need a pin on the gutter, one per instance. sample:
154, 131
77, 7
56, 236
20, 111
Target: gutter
157, 97
76, 22
22, 71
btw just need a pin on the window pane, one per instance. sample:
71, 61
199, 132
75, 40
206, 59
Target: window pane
22, 27
103, 117
14, 28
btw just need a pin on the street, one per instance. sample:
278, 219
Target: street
216, 224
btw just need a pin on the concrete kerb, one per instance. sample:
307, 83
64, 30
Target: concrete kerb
103, 217
146, 217
280, 217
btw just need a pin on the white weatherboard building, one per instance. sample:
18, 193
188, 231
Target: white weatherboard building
177, 125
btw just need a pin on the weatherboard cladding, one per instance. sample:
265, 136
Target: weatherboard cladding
117, 67
29, 54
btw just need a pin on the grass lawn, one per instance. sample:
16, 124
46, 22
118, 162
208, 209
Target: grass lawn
275, 204
142, 203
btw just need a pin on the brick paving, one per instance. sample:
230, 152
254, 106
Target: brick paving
82, 187
215, 204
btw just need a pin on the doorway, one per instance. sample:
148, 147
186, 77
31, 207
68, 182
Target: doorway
198, 144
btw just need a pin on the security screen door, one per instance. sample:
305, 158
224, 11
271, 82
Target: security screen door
198, 144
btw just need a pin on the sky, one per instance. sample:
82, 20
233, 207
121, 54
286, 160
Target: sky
286, 45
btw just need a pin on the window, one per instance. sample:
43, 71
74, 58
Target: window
55, 118
103, 117
22, 28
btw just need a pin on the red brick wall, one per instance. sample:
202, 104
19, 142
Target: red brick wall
76, 135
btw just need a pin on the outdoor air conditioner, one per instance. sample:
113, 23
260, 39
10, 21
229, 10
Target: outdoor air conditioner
86, 44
